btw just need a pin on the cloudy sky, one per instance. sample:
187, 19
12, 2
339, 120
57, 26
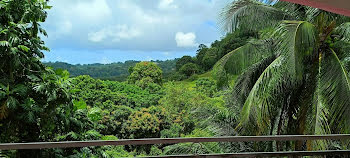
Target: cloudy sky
106, 31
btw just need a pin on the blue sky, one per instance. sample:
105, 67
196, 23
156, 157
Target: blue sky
106, 31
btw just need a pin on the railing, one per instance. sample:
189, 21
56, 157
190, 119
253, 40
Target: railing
75, 144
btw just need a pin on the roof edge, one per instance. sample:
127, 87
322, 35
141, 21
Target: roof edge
320, 5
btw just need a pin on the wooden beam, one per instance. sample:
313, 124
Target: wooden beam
263, 154
71, 144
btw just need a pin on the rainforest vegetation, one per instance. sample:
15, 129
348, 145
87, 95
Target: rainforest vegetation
113, 72
280, 69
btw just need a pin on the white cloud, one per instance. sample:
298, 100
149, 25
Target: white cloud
138, 14
92, 11
132, 25
114, 33
186, 39
167, 4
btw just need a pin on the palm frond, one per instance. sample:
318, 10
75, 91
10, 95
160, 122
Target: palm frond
245, 82
296, 11
267, 96
335, 91
321, 17
250, 14
265, 99
343, 32
237, 61
320, 125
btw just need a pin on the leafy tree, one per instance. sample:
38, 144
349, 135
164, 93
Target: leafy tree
30, 94
147, 123
182, 61
210, 58
202, 49
232, 41
189, 69
292, 81
145, 74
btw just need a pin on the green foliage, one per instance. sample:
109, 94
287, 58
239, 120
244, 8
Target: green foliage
194, 148
210, 58
292, 79
193, 77
107, 93
206, 57
147, 123
183, 60
232, 41
144, 74
95, 114
115, 71
114, 120
177, 76
79, 105
237, 61
202, 49
178, 98
30, 94
189, 69
287, 82
206, 86
174, 131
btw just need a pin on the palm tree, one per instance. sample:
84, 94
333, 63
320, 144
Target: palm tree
292, 80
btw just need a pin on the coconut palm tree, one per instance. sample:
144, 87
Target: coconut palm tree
292, 80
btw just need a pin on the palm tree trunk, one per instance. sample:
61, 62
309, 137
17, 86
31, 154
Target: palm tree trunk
280, 124
271, 132
305, 102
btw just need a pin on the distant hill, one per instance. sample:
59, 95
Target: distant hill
114, 71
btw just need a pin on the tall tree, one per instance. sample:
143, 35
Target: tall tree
144, 74
29, 92
292, 80
183, 60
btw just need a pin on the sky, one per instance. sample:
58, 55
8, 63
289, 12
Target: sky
107, 31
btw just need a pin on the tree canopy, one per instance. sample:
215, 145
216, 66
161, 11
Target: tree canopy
291, 79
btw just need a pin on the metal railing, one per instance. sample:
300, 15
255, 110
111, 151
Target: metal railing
76, 144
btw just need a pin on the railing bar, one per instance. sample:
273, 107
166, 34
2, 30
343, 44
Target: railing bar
70, 144
262, 154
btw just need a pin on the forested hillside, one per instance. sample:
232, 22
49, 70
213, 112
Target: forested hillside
114, 71
287, 75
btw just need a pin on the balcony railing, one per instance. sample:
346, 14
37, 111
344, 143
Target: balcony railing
76, 144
